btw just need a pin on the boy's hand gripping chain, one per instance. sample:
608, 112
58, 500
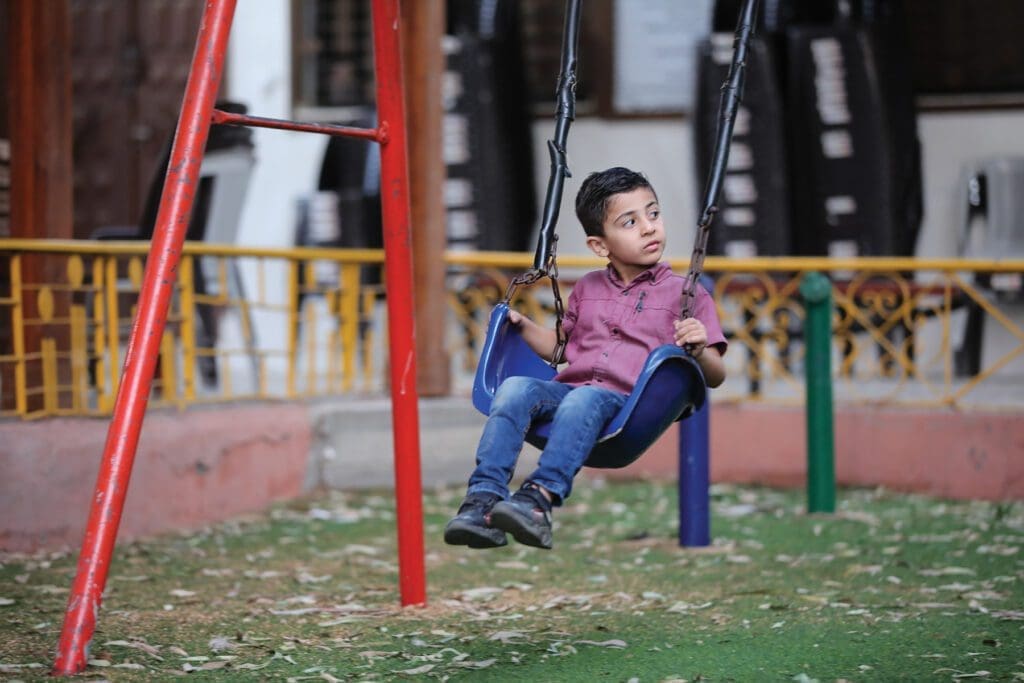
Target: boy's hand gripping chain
732, 94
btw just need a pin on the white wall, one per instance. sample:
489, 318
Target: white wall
660, 149
287, 163
951, 142
287, 167
663, 151
259, 75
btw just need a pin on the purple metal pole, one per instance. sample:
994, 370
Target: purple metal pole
694, 469
694, 479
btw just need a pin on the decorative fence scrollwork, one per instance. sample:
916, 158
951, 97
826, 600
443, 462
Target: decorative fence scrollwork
249, 324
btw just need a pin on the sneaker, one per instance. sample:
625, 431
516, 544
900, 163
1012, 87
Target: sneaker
527, 516
471, 525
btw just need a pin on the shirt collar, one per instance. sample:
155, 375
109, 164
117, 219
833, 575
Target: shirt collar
654, 274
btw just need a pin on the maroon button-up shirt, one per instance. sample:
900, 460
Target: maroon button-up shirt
613, 327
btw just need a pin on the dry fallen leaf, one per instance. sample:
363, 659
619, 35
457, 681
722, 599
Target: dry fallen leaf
14, 668
218, 643
417, 671
252, 667
150, 650
482, 593
947, 571
483, 664
998, 549
959, 675
681, 606
604, 643
506, 637
1007, 614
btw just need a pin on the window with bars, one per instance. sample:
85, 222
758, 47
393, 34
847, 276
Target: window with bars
958, 51
543, 22
967, 51
333, 54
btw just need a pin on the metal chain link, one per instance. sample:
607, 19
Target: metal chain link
700, 250
560, 339
531, 276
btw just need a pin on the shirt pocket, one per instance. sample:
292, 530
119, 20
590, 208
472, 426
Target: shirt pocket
604, 312
656, 324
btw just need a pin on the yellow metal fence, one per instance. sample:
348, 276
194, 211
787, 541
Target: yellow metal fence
259, 324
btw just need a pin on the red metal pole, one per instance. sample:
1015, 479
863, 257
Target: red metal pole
398, 280
144, 342
219, 116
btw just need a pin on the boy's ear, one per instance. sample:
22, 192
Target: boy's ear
597, 246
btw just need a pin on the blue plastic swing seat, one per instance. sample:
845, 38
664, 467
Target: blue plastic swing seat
670, 387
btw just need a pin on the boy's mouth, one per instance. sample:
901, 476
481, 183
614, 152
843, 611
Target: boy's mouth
652, 246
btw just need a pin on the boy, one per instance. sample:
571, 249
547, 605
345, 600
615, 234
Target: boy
614, 319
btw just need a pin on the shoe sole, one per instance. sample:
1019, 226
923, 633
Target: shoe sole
508, 519
458, 533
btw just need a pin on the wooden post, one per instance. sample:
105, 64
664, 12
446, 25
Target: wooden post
39, 115
38, 60
423, 65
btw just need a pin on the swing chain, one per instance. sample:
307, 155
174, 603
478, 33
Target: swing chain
732, 95
560, 339
531, 276
544, 259
700, 250
524, 279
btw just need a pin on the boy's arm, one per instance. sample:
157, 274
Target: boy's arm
540, 339
711, 362
692, 334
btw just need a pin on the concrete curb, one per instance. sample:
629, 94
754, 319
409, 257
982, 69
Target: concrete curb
351, 444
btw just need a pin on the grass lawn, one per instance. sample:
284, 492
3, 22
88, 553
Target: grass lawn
890, 588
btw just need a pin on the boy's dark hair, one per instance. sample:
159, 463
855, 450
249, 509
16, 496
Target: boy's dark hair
597, 188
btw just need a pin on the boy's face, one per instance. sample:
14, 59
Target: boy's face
634, 236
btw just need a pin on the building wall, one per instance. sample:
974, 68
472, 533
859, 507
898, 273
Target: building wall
255, 455
663, 149
259, 74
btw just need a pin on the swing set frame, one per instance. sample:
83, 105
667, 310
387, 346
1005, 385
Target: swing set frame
198, 113
179, 191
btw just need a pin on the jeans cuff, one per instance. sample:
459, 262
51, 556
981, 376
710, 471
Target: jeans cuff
487, 488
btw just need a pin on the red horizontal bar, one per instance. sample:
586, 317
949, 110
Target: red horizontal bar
374, 134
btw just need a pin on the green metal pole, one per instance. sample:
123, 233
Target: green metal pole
816, 290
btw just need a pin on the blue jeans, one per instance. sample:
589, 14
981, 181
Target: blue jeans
578, 416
